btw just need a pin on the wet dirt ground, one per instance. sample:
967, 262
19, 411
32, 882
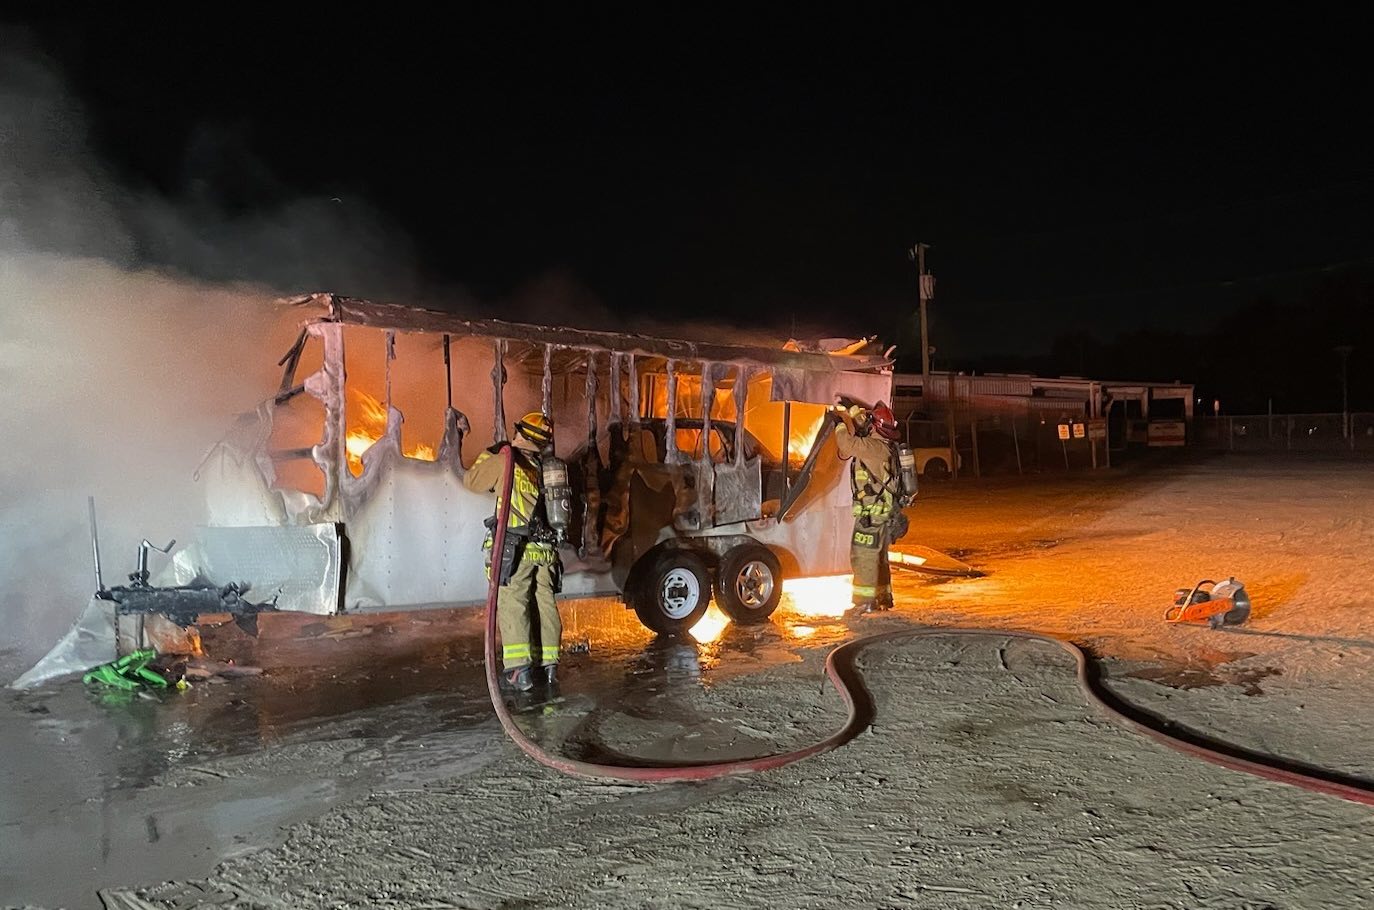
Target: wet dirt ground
108, 787
102, 791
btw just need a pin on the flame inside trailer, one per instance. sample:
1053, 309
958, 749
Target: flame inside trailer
366, 424
767, 421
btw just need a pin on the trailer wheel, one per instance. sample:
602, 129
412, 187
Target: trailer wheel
749, 583
673, 593
936, 469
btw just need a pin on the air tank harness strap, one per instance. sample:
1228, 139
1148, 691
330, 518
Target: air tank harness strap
872, 500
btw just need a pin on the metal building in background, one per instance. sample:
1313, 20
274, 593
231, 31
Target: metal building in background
1016, 421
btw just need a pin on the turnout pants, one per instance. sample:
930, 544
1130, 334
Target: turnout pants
868, 560
531, 590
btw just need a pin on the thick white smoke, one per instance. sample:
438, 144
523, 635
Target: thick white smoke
117, 376
116, 383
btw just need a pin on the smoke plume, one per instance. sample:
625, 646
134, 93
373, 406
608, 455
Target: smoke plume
133, 328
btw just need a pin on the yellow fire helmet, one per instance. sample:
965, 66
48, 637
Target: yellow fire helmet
535, 427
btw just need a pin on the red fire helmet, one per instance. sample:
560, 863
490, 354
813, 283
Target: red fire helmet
885, 422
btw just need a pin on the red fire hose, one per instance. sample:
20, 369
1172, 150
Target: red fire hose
839, 666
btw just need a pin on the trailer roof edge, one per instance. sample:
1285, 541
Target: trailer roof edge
405, 318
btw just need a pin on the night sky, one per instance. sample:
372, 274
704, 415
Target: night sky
1072, 176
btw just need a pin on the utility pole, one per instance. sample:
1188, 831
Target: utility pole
926, 290
1344, 350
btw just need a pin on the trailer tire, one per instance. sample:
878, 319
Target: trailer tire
936, 469
749, 584
673, 591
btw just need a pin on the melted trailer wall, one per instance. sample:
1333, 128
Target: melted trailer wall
238, 475
815, 542
415, 532
417, 537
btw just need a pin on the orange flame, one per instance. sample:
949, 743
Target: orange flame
366, 418
711, 624
825, 597
763, 418
829, 596
806, 426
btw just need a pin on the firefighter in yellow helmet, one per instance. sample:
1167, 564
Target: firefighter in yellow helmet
530, 569
868, 438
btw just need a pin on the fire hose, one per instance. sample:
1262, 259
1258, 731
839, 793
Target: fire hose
840, 668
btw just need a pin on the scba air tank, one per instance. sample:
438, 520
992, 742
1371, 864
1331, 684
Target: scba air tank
906, 459
557, 495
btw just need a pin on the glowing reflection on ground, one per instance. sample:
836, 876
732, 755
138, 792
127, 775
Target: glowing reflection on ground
810, 611
711, 624
829, 596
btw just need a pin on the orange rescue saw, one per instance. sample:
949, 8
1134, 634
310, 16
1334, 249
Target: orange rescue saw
1224, 604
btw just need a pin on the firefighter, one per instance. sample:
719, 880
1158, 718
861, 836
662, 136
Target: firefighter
868, 438
530, 569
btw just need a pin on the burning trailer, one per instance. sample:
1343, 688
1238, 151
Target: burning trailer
699, 470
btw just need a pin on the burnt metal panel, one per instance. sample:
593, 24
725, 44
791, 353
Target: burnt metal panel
591, 471
739, 483
739, 491
300, 566
498, 381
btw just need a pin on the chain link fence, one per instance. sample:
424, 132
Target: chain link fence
1287, 432
1002, 442
979, 439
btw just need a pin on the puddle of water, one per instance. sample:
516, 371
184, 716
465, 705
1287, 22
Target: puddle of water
1189, 676
1205, 668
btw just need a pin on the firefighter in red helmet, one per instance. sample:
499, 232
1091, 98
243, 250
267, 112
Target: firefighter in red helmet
868, 438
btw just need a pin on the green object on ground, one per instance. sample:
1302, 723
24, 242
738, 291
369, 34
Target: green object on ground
128, 672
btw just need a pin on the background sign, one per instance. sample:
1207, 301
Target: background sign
1168, 433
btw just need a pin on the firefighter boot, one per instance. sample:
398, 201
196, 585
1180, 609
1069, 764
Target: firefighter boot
551, 676
518, 678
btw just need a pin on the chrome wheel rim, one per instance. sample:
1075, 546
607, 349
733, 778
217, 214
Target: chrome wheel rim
754, 584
